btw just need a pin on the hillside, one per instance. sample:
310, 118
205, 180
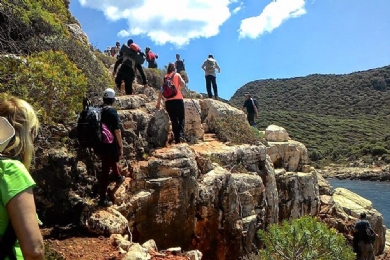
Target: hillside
337, 116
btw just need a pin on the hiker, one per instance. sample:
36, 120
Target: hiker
151, 58
18, 129
110, 152
174, 104
361, 239
251, 109
179, 64
115, 50
209, 66
138, 65
108, 51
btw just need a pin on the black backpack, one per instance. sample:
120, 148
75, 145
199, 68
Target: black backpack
254, 101
89, 129
139, 57
365, 232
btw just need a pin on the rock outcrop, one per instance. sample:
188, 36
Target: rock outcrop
202, 195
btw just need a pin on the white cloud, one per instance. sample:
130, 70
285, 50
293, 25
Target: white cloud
272, 16
167, 21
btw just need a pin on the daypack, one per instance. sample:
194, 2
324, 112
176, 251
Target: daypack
169, 89
210, 66
137, 56
254, 102
7, 241
365, 233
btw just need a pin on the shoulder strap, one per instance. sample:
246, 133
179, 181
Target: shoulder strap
8, 240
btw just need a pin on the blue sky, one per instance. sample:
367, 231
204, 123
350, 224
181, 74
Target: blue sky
250, 39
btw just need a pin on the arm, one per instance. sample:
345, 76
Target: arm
217, 66
254, 107
22, 212
204, 66
159, 100
181, 81
118, 61
118, 136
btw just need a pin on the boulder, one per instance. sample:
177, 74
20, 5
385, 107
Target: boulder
274, 133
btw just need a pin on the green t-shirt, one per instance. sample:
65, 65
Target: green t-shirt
14, 178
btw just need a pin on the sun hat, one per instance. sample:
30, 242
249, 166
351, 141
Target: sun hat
109, 93
6, 133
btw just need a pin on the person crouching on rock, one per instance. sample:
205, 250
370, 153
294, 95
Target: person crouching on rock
18, 128
174, 103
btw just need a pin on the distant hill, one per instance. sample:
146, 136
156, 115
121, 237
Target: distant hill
337, 116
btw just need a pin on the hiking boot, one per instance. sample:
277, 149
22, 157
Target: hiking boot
104, 203
120, 180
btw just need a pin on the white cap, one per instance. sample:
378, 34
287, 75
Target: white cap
109, 93
6, 133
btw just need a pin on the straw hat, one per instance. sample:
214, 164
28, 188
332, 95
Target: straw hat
6, 133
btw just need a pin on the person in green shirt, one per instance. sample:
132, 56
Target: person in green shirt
16, 184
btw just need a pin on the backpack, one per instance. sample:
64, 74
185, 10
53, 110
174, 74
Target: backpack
210, 66
169, 89
365, 232
138, 56
7, 241
254, 102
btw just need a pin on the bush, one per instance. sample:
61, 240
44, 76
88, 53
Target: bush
47, 80
155, 77
230, 129
304, 239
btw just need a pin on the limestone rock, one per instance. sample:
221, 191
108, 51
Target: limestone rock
119, 241
274, 133
193, 125
213, 109
78, 33
106, 222
137, 252
298, 195
343, 210
194, 255
150, 245
291, 155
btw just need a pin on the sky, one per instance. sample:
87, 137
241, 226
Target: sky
250, 39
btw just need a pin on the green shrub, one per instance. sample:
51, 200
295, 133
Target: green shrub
105, 59
155, 77
47, 80
304, 239
378, 150
231, 129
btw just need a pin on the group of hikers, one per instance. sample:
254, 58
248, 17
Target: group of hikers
19, 127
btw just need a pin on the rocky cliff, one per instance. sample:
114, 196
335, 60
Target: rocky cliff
204, 195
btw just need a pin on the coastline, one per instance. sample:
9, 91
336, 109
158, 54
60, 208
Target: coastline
381, 174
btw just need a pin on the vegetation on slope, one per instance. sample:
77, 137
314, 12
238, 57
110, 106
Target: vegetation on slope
338, 117
30, 28
303, 239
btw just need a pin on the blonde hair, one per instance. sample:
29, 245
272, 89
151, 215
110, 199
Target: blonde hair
23, 118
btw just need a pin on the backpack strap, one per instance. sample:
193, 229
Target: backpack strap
8, 240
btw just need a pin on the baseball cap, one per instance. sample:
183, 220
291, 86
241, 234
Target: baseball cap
109, 93
6, 133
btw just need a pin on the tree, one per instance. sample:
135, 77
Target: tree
304, 239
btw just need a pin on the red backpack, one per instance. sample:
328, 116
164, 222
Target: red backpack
169, 89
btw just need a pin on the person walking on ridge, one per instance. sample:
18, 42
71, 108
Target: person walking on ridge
251, 108
209, 66
361, 239
110, 152
174, 105
137, 66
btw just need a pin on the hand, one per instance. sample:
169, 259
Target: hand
120, 152
113, 74
158, 105
257, 115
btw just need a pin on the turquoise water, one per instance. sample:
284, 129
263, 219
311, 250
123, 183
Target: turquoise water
377, 192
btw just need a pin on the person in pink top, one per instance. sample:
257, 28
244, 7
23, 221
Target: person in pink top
175, 105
